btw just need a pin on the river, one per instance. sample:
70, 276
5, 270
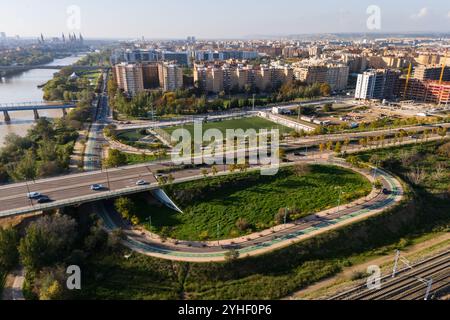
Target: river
23, 87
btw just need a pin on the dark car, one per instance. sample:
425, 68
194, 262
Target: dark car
386, 191
299, 154
44, 199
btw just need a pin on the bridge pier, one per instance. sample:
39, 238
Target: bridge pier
6, 116
36, 114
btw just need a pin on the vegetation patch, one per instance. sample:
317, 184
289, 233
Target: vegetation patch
232, 206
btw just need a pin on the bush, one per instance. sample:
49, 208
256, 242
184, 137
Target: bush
8, 249
242, 224
47, 241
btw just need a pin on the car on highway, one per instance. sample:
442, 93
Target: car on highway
386, 191
44, 199
97, 187
299, 154
33, 195
141, 183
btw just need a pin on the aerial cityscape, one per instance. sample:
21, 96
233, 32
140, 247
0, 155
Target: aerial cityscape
203, 151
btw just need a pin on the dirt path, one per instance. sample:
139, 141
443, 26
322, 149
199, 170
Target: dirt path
343, 280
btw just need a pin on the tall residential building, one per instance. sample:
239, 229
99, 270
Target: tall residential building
434, 72
181, 58
377, 84
428, 59
150, 73
170, 76
312, 74
315, 51
225, 55
337, 77
217, 78
135, 56
129, 77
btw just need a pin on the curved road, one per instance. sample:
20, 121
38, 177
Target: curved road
262, 242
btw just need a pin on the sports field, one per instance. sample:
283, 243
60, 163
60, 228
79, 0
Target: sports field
245, 124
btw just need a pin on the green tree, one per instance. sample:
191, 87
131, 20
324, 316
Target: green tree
47, 241
115, 159
125, 207
8, 248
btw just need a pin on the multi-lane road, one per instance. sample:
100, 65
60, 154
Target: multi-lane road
75, 189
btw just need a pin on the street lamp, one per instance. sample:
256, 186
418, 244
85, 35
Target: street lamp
285, 215
218, 234
339, 199
149, 220
107, 178
28, 191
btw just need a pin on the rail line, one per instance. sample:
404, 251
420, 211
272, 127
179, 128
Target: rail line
406, 277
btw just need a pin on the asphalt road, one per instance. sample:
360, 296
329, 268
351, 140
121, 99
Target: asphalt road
13, 196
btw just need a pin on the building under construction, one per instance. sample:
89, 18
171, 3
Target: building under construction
431, 84
428, 91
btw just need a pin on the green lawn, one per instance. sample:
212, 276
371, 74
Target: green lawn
133, 159
257, 199
256, 123
133, 136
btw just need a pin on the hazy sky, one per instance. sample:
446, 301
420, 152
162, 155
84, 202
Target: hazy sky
218, 18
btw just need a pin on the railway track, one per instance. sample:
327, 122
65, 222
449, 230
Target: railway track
410, 283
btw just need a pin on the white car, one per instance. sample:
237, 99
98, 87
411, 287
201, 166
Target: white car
141, 183
97, 187
33, 195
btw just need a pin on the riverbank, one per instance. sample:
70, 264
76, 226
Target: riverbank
23, 87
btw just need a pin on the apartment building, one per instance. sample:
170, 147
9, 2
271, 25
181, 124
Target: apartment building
377, 84
129, 77
429, 59
337, 77
225, 55
311, 74
137, 77
170, 76
433, 72
315, 51
150, 74
225, 77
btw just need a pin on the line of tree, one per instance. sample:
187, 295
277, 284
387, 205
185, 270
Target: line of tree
191, 101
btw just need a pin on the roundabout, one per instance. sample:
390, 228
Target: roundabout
277, 237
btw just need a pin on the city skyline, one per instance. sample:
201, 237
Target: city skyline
213, 20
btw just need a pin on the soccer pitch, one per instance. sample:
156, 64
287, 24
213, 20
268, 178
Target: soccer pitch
245, 124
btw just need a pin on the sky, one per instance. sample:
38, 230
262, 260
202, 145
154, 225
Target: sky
177, 19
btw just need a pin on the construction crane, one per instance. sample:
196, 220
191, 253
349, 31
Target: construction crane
408, 77
440, 83
442, 74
